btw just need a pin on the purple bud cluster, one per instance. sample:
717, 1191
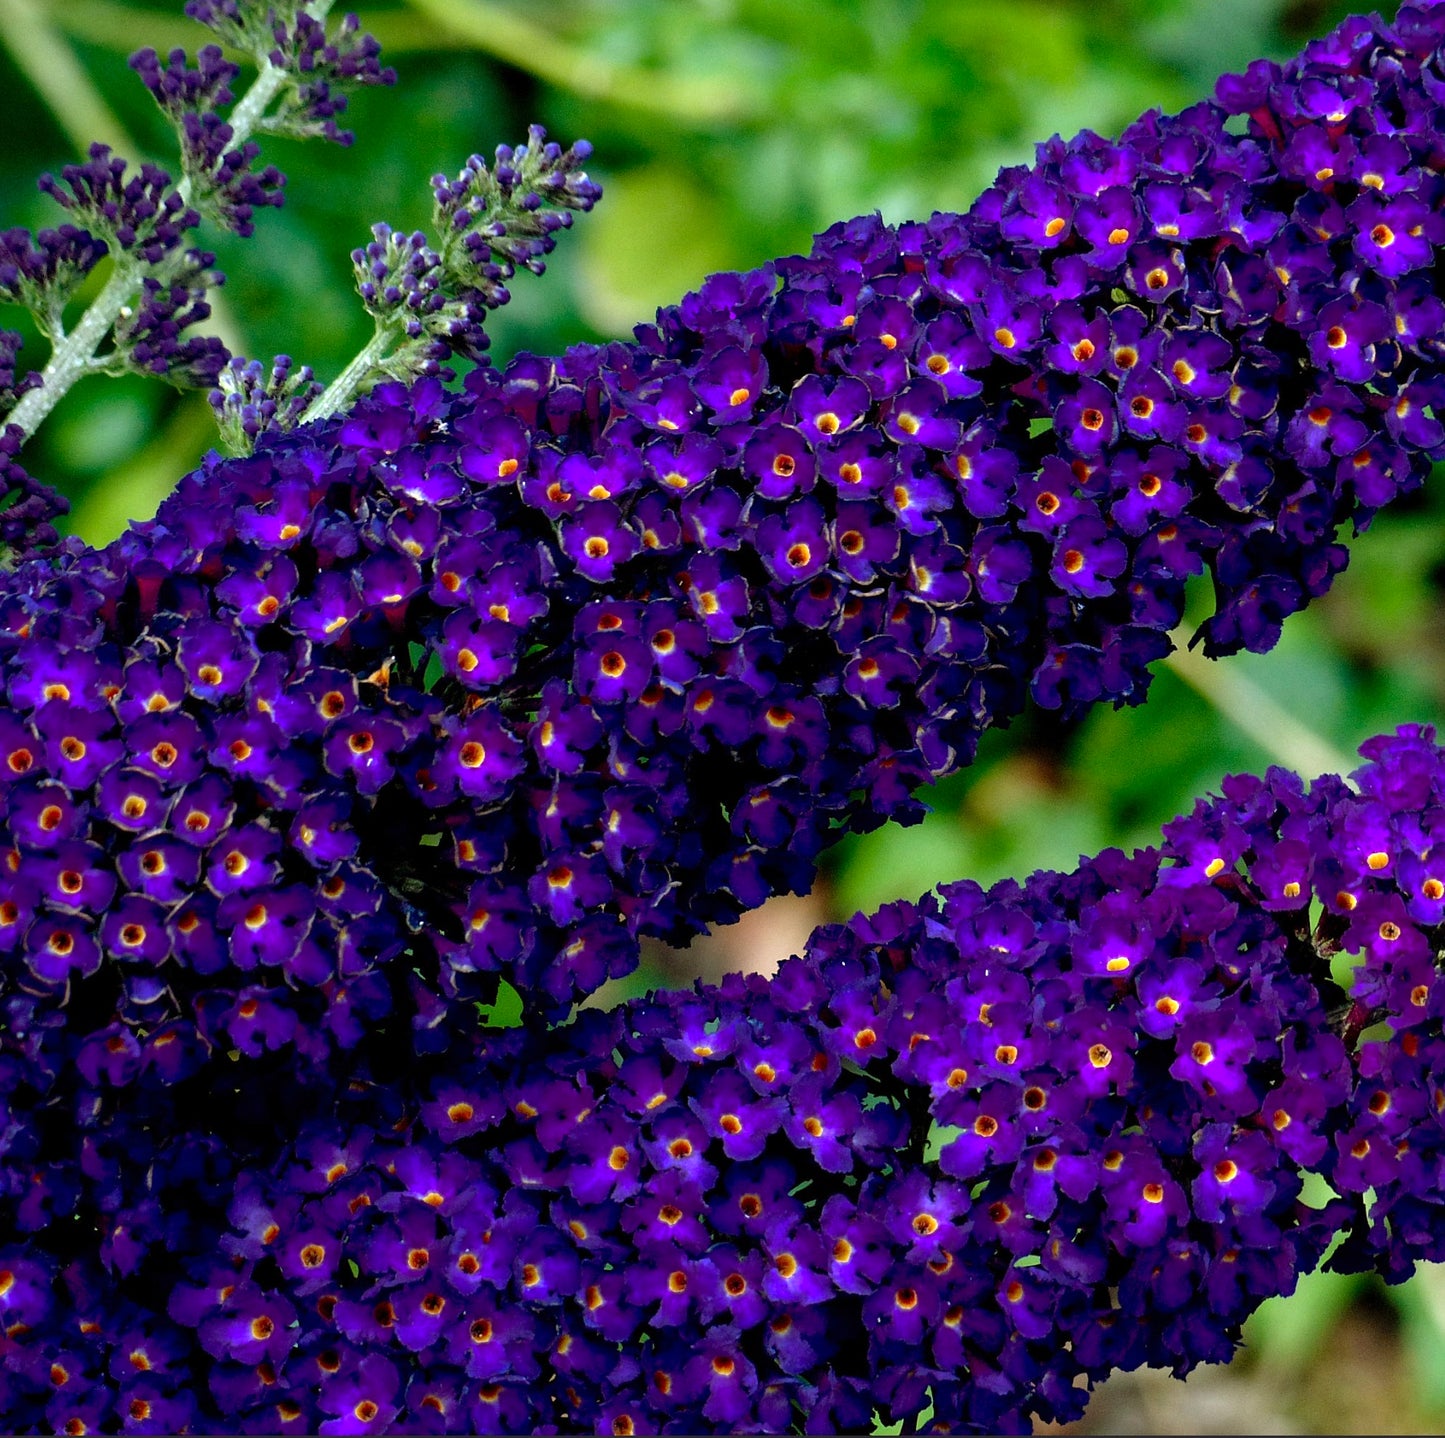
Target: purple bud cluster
139, 214
28, 508
180, 88
151, 333
138, 210
433, 296
142, 215
12, 388
325, 66
222, 16
321, 65
221, 175
402, 279
42, 271
509, 215
982, 1149
249, 399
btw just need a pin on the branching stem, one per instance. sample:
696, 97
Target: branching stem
73, 357
361, 370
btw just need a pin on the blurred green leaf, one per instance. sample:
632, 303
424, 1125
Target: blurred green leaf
1284, 1332
118, 417
506, 1013
136, 486
1422, 1311
655, 236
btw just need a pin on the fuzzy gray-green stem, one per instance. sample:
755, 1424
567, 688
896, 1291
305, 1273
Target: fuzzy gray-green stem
73, 357
364, 366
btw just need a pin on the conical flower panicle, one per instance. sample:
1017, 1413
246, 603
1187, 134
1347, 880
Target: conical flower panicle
456, 690
990, 1146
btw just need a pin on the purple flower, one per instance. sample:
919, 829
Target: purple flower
597, 540
482, 757
451, 702
1086, 559
250, 1327
1345, 339
821, 409
794, 545
860, 457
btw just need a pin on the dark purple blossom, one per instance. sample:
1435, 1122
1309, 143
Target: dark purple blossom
1131, 1087
458, 692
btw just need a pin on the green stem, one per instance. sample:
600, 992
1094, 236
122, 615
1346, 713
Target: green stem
57, 76
72, 357
33, 37
500, 32
345, 387
252, 106
1239, 700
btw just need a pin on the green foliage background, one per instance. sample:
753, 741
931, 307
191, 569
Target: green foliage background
728, 132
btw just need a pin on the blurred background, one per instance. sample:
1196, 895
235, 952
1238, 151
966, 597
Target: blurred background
727, 132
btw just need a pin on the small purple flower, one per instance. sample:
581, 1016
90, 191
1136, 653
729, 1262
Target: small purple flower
1010, 325
719, 596
881, 674
267, 928
920, 416
363, 1401
1087, 559
80, 744
732, 382
597, 540
1109, 222
779, 461
250, 1327
794, 544
821, 409
478, 653
1086, 418
733, 1114
1346, 337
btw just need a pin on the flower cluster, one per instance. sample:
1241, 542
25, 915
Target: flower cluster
250, 399
28, 508
139, 211
141, 214
523, 182
1361, 873
327, 64
781, 560
11, 388
452, 690
430, 298
43, 271
320, 65
983, 1149
192, 99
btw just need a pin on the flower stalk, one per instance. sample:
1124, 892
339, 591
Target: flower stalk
139, 221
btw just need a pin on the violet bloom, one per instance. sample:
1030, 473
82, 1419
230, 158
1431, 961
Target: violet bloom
1133, 1055
1077, 384
1141, 1058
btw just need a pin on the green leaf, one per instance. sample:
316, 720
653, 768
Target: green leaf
657, 235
